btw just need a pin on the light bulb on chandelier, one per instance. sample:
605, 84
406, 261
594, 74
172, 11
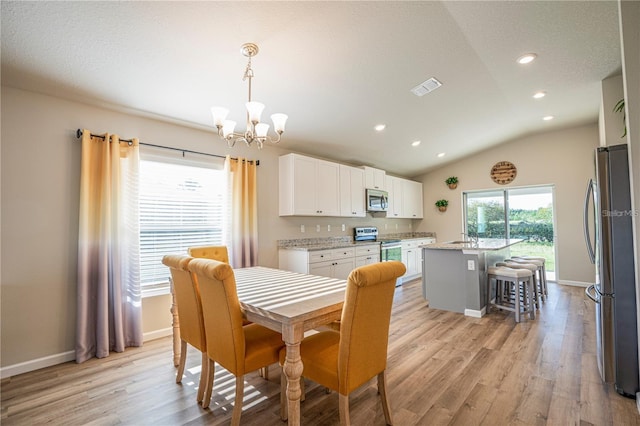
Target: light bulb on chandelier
256, 131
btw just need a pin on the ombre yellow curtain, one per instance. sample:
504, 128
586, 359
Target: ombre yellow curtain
109, 316
243, 244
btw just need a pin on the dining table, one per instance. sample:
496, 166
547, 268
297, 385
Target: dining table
290, 303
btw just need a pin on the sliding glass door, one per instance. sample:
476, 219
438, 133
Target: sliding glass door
524, 213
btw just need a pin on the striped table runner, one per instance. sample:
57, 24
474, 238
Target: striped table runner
270, 289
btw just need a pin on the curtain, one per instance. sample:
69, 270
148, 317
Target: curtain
243, 227
109, 316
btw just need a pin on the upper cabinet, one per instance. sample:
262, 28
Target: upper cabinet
352, 191
308, 186
405, 198
374, 178
313, 187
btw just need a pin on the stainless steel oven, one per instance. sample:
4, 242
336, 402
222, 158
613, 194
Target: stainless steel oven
390, 250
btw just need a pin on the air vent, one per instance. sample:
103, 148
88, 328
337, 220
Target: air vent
426, 87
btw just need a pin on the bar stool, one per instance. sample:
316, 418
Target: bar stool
531, 267
543, 272
522, 302
542, 280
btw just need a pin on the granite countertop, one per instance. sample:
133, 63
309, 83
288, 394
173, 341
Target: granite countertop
484, 244
327, 243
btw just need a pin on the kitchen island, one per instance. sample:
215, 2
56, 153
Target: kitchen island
454, 273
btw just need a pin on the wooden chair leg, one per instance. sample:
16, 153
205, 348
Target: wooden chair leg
182, 362
302, 397
211, 369
382, 390
202, 385
237, 405
343, 407
265, 372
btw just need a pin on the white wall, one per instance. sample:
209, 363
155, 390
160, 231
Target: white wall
561, 158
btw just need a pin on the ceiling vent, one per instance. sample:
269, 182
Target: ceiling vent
426, 87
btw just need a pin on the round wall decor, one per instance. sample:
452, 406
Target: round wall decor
503, 172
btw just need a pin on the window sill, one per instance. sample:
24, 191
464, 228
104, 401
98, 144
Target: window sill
159, 290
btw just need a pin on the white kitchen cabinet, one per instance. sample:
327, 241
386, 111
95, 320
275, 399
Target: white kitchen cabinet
412, 256
308, 186
405, 198
352, 203
374, 178
333, 263
394, 187
412, 199
366, 255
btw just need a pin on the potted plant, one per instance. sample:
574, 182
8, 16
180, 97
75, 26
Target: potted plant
452, 182
620, 108
442, 205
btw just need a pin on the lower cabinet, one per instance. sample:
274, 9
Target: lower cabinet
333, 263
412, 257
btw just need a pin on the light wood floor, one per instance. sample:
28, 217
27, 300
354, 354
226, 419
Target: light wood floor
443, 368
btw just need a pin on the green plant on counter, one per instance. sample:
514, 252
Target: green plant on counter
442, 203
451, 180
620, 108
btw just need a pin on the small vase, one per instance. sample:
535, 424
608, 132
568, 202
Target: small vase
453, 185
442, 208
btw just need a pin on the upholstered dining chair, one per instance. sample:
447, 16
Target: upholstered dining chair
187, 298
239, 349
218, 253
346, 359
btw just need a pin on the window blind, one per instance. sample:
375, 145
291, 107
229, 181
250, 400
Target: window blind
181, 205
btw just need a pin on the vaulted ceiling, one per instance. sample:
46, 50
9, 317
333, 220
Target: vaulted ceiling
336, 68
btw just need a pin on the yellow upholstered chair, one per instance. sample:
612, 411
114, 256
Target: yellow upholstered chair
187, 297
240, 349
346, 359
218, 253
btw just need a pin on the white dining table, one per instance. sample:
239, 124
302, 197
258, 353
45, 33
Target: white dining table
290, 303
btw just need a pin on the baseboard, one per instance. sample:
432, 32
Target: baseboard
36, 364
574, 283
48, 361
475, 313
157, 334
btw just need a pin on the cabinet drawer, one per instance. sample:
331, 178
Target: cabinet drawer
365, 250
334, 254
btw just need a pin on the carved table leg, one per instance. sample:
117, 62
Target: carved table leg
293, 370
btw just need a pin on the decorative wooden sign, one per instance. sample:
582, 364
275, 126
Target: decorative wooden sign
503, 172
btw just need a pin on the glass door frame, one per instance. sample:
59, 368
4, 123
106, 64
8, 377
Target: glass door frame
505, 194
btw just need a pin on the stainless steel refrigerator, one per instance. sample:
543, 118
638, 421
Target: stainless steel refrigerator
610, 246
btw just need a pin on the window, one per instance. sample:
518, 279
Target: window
182, 204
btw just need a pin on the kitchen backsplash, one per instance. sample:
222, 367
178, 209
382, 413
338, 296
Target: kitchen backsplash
347, 239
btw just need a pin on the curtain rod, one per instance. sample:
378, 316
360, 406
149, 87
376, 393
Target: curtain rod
129, 141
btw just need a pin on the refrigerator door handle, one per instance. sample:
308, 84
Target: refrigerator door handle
587, 237
589, 290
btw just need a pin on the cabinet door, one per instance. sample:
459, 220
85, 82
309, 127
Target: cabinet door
395, 188
374, 178
351, 191
367, 260
327, 188
305, 172
412, 199
343, 267
323, 269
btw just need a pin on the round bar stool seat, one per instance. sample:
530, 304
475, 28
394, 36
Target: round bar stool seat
520, 303
543, 273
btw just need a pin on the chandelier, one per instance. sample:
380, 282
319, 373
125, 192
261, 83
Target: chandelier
256, 131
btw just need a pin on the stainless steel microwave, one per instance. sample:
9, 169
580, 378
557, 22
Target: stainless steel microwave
377, 200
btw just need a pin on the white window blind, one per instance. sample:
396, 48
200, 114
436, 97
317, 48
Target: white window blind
181, 205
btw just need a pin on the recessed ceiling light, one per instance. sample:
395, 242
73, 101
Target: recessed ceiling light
548, 117
415, 143
379, 127
442, 154
525, 59
539, 95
